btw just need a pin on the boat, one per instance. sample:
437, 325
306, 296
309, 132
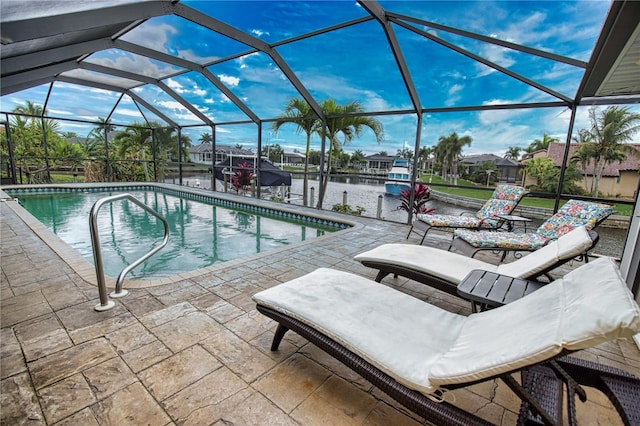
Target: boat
399, 177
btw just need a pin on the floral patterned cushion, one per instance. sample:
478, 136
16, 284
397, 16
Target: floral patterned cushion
573, 214
503, 240
502, 201
508, 192
493, 208
450, 221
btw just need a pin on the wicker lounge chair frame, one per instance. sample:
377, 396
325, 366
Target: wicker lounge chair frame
541, 391
387, 268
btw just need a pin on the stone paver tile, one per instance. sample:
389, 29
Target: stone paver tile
170, 313
102, 328
198, 403
263, 344
179, 371
42, 336
383, 415
18, 402
109, 377
65, 398
205, 302
335, 402
132, 405
335, 366
84, 417
248, 407
186, 331
598, 410
224, 291
60, 297
147, 355
142, 304
291, 382
68, 362
11, 359
84, 315
181, 294
242, 358
23, 307
130, 338
223, 311
250, 325
477, 404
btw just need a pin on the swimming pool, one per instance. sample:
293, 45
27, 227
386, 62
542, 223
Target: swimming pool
204, 229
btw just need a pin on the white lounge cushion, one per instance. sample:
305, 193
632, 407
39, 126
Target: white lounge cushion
425, 347
443, 264
590, 305
569, 245
397, 333
454, 267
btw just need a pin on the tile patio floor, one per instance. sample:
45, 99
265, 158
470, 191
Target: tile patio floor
196, 352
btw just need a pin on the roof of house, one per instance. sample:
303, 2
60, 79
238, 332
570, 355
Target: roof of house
632, 162
378, 157
476, 160
227, 149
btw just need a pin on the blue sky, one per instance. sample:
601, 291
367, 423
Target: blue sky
352, 64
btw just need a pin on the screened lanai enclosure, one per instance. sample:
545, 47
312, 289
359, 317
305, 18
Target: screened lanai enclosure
106, 91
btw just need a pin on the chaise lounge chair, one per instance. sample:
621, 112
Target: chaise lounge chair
416, 352
444, 270
504, 199
573, 214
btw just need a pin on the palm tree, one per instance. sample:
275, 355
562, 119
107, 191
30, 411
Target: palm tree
452, 147
135, 144
340, 120
584, 154
610, 130
298, 112
423, 155
541, 144
205, 138
513, 153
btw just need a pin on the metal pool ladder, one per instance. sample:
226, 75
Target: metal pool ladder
105, 303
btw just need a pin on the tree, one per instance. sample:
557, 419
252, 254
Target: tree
610, 130
547, 176
273, 152
424, 153
584, 154
513, 153
541, 144
134, 143
486, 174
450, 149
205, 138
298, 112
405, 153
340, 120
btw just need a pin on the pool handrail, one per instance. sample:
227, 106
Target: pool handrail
105, 303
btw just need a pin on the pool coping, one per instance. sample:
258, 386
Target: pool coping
86, 269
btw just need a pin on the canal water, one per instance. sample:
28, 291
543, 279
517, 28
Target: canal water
369, 194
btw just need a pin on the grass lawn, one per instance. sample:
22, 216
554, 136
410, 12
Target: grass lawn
484, 194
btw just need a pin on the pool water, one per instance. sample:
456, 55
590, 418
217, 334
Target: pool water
201, 232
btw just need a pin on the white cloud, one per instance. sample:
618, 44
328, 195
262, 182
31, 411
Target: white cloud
128, 112
229, 80
58, 112
259, 33
209, 101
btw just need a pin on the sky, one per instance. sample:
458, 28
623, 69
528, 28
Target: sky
350, 64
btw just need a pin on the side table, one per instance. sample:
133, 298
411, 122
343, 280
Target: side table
512, 220
488, 290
